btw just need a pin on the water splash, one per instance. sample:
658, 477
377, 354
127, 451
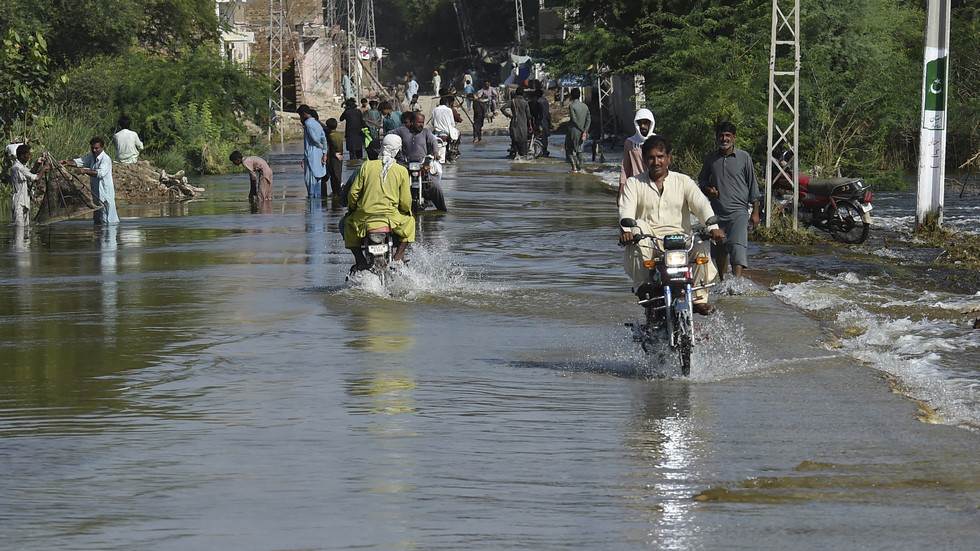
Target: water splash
921, 339
430, 273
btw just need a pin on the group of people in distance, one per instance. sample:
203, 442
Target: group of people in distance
97, 165
662, 201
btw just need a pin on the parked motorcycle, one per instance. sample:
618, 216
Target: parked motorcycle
420, 178
667, 299
840, 206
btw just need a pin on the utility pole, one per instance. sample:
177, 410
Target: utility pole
607, 116
784, 100
519, 6
353, 64
932, 134
329, 14
464, 26
372, 37
276, 30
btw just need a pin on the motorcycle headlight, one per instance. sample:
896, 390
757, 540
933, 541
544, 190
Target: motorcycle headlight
675, 258
415, 167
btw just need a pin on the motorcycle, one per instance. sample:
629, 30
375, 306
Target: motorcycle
840, 206
448, 147
420, 178
667, 298
378, 247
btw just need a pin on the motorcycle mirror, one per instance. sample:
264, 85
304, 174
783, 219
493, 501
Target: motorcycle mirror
627, 223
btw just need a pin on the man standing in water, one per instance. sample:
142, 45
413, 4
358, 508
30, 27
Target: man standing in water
580, 120
661, 202
728, 179
314, 151
98, 166
259, 176
519, 113
20, 179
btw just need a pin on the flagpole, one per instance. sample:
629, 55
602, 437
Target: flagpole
932, 136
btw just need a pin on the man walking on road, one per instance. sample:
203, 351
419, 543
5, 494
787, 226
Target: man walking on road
578, 131
728, 179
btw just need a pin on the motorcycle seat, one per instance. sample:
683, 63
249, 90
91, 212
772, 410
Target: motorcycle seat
382, 229
834, 186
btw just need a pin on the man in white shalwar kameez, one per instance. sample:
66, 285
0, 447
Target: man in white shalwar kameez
661, 202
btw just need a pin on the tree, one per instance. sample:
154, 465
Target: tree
81, 29
26, 83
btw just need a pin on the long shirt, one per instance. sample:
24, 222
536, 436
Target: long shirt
545, 121
416, 145
20, 179
580, 117
314, 144
128, 146
102, 185
668, 213
443, 120
391, 122
734, 176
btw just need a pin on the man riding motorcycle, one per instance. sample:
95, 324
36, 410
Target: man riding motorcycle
444, 119
418, 141
380, 196
661, 202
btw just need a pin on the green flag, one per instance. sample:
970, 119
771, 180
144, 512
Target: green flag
935, 83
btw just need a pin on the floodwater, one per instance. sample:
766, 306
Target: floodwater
203, 377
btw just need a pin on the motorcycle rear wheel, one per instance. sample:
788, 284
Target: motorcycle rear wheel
846, 224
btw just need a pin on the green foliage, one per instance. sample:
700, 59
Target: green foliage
963, 139
887, 180
81, 29
190, 103
859, 82
26, 83
169, 25
708, 60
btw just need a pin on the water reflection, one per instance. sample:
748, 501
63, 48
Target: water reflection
665, 445
382, 386
108, 246
259, 206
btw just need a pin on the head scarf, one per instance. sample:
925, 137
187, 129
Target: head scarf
643, 114
391, 146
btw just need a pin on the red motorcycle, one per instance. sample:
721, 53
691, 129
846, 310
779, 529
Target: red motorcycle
840, 206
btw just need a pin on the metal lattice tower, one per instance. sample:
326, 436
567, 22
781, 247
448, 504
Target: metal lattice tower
607, 116
521, 32
372, 37
464, 26
276, 31
353, 64
329, 14
784, 100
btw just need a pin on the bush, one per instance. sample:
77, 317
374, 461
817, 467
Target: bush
194, 103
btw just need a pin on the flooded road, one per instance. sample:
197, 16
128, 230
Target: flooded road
202, 377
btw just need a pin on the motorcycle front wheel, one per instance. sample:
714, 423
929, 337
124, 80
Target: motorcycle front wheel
684, 348
537, 149
847, 225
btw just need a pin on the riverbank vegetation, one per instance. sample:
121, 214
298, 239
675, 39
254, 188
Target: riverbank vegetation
860, 79
70, 73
